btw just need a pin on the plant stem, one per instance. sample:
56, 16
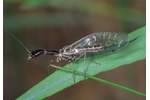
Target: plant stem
103, 81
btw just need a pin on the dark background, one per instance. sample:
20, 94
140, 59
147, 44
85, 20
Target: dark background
52, 24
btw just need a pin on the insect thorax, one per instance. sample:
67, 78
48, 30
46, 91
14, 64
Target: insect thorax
76, 53
68, 55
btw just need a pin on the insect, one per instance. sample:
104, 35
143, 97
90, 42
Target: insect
106, 41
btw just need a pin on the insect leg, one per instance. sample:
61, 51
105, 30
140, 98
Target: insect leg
85, 68
50, 64
97, 64
48, 69
73, 75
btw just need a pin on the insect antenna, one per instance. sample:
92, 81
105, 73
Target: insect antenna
20, 43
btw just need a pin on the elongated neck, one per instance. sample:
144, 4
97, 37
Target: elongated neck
38, 52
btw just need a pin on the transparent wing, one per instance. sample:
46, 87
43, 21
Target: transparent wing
111, 40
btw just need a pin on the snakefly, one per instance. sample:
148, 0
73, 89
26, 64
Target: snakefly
109, 41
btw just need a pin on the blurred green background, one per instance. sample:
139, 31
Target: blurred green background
52, 24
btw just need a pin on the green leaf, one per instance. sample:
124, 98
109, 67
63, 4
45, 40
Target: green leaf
60, 80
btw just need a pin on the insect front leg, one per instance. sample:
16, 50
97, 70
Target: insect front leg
52, 65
